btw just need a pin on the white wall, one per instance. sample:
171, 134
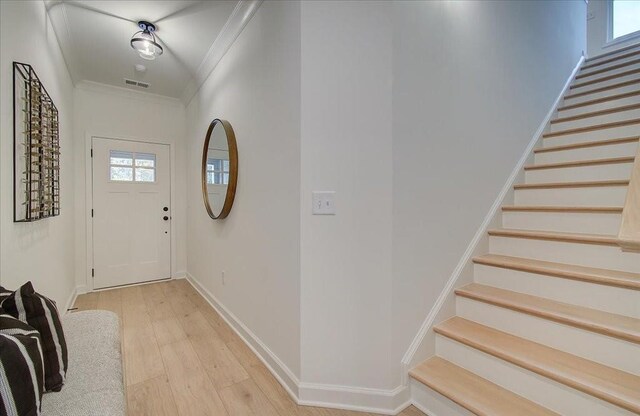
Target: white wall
598, 30
414, 113
42, 251
472, 82
346, 147
256, 87
114, 112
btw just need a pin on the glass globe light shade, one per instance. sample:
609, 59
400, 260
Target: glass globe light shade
145, 42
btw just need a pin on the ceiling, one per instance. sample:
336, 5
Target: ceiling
94, 36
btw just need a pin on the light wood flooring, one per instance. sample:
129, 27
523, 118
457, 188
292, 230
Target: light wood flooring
181, 358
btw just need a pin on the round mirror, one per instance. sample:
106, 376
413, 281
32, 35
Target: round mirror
219, 169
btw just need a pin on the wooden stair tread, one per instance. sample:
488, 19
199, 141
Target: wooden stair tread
601, 89
612, 385
584, 145
585, 184
473, 392
606, 323
599, 100
608, 277
592, 128
607, 69
579, 163
605, 78
553, 208
614, 52
596, 113
599, 239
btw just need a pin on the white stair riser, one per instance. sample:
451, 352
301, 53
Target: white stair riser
612, 299
604, 196
606, 105
590, 255
608, 72
616, 55
595, 120
584, 70
630, 130
539, 389
433, 403
578, 86
569, 222
600, 348
613, 171
609, 68
588, 153
568, 100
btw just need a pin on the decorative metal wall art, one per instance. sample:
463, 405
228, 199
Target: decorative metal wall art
36, 148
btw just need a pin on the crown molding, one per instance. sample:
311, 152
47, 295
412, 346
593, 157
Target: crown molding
132, 94
60, 39
241, 15
243, 12
56, 11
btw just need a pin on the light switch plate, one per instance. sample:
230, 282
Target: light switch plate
323, 203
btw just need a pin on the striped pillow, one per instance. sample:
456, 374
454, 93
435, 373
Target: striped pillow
41, 313
4, 293
21, 368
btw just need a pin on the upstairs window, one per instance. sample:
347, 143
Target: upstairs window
625, 18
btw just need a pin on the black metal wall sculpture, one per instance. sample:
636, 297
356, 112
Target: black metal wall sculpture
36, 148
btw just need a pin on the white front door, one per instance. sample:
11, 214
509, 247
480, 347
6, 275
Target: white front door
131, 212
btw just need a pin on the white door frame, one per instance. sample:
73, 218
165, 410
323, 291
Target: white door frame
89, 200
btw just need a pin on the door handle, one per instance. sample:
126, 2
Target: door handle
165, 218
165, 209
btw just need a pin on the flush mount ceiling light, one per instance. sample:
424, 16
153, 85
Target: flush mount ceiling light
145, 41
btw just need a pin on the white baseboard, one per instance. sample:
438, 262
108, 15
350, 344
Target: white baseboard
389, 402
180, 275
71, 300
279, 370
446, 295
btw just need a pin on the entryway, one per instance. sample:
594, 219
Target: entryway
131, 212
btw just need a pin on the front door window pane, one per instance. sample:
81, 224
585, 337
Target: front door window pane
118, 157
145, 175
121, 173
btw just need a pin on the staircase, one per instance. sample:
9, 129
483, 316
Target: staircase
551, 323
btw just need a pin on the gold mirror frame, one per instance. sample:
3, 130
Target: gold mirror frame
233, 169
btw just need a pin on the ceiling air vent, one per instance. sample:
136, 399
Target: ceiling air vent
134, 83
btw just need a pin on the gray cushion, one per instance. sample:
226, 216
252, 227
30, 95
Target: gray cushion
94, 385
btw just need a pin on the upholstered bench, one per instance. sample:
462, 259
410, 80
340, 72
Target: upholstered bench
94, 384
